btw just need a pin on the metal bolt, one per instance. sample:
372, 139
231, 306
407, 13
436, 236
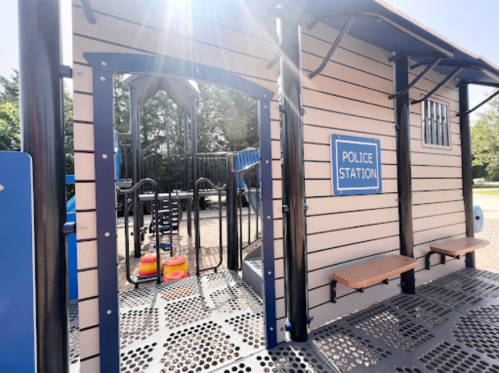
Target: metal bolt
102, 78
109, 312
267, 161
271, 329
265, 106
106, 234
104, 156
84, 226
270, 273
282, 328
79, 73
1, 187
103, 63
268, 217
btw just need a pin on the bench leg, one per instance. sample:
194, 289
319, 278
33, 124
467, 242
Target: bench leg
333, 291
386, 282
427, 259
442, 259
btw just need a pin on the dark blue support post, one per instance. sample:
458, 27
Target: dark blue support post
231, 203
43, 138
404, 177
136, 170
188, 183
464, 126
293, 176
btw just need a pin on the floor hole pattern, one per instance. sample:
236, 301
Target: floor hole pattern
250, 327
344, 350
138, 360
199, 348
136, 297
478, 335
73, 311
420, 308
257, 263
170, 291
74, 344
138, 324
394, 329
403, 370
490, 313
185, 312
281, 359
447, 297
216, 280
470, 285
235, 298
481, 275
451, 358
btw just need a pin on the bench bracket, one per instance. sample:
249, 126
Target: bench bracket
442, 258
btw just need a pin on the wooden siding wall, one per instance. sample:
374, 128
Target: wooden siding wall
230, 40
350, 97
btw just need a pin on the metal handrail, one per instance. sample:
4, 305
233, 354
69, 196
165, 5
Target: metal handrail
125, 192
197, 236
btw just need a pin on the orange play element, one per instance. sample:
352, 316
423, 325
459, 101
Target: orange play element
176, 263
174, 275
148, 265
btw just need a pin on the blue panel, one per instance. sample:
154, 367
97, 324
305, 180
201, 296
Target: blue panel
17, 299
356, 165
70, 179
72, 260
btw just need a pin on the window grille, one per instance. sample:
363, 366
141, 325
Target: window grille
435, 123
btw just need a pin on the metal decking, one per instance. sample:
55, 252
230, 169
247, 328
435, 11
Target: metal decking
214, 323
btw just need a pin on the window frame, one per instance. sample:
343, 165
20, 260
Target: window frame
423, 127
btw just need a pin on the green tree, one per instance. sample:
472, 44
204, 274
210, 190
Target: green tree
485, 143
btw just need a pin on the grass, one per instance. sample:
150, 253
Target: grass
487, 192
485, 186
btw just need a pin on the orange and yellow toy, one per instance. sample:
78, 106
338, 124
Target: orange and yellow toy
176, 263
174, 275
148, 265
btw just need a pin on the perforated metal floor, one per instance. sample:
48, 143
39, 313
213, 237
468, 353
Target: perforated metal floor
74, 337
451, 325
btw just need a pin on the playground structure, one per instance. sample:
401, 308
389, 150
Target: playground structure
399, 248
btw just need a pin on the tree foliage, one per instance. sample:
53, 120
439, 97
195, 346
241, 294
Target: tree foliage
485, 143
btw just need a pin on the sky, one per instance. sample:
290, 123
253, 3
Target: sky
466, 23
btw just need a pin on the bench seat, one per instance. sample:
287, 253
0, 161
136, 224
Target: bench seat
454, 248
372, 272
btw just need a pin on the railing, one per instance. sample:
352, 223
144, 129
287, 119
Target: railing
248, 188
203, 180
126, 192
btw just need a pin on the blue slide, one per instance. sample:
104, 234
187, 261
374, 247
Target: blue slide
72, 253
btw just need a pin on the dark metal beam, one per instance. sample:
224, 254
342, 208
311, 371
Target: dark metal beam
466, 65
188, 183
440, 85
469, 111
485, 84
406, 88
195, 177
89, 12
293, 181
136, 171
433, 55
404, 177
231, 214
335, 45
293, 23
467, 172
42, 131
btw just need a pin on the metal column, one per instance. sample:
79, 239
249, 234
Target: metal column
188, 183
293, 179
195, 177
404, 177
136, 170
42, 131
231, 218
464, 126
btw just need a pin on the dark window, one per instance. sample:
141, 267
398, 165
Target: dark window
435, 123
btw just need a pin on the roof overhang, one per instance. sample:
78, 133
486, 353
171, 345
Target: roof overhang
381, 25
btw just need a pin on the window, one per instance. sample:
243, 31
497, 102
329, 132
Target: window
435, 123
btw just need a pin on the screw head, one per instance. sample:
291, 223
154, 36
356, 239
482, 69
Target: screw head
79, 73
106, 234
104, 156
109, 312
271, 329
1, 187
270, 273
103, 63
84, 226
102, 78
268, 217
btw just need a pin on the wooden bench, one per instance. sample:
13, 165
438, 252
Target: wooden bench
379, 270
454, 248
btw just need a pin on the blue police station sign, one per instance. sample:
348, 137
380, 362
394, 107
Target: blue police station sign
356, 165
